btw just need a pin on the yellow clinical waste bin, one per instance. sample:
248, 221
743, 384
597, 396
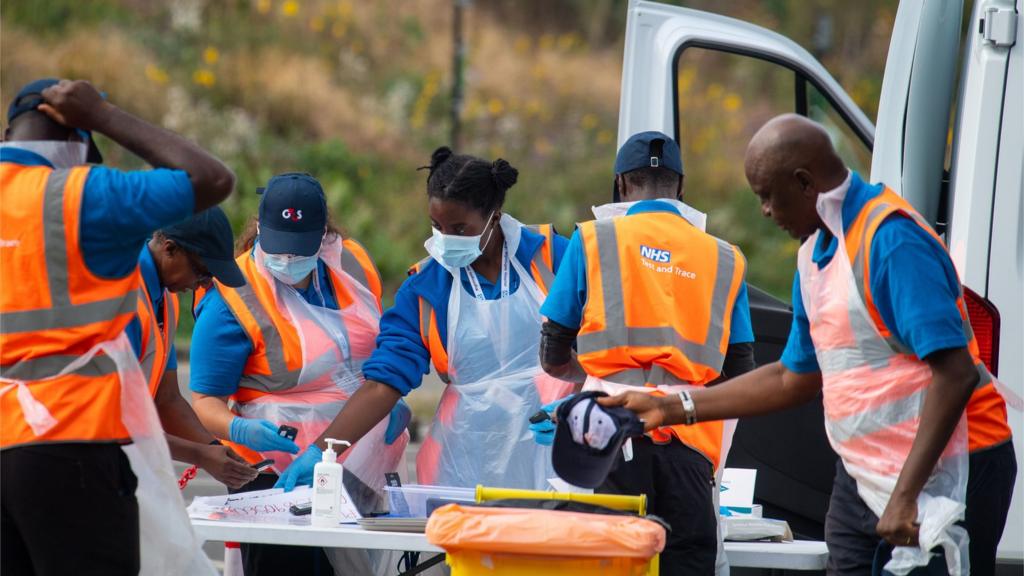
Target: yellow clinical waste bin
532, 542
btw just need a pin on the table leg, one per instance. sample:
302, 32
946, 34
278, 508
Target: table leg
420, 568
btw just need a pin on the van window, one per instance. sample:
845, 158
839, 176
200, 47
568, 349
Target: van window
722, 98
851, 149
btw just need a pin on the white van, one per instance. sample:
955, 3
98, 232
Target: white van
977, 203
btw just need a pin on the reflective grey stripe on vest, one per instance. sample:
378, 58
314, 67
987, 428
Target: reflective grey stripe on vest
61, 313
547, 276
419, 266
860, 273
984, 376
617, 334
69, 316
171, 322
55, 238
885, 416
657, 376
351, 265
48, 366
425, 311
149, 355
880, 418
280, 378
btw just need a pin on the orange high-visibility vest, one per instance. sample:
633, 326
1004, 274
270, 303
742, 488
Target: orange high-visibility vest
276, 360
156, 337
54, 309
660, 295
986, 411
541, 268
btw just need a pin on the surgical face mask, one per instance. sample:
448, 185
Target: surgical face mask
60, 153
289, 268
459, 251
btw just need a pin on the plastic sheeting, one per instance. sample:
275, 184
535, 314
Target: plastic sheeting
480, 434
335, 343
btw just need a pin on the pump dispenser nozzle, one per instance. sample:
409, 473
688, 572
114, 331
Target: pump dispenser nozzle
330, 455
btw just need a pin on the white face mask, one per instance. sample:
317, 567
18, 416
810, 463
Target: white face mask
289, 268
459, 251
60, 153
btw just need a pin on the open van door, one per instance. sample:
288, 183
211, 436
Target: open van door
794, 461
979, 206
986, 211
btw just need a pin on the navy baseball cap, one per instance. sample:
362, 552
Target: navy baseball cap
588, 438
651, 149
293, 215
208, 235
31, 96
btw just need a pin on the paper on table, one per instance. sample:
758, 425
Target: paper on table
264, 506
737, 491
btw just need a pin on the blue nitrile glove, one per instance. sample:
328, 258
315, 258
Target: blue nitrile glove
260, 435
544, 431
300, 471
398, 421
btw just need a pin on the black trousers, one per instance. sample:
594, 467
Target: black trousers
68, 509
850, 524
679, 485
274, 559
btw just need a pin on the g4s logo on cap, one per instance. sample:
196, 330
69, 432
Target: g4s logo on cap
291, 214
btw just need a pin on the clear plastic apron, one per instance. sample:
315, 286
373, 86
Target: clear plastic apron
166, 541
872, 402
480, 434
334, 347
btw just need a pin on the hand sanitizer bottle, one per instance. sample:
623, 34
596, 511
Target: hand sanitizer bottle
327, 487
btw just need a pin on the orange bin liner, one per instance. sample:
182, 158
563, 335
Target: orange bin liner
529, 532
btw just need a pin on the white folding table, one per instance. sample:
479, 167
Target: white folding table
798, 555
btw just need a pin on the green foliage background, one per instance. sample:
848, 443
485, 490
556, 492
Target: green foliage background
358, 94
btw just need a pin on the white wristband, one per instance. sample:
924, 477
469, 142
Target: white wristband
689, 409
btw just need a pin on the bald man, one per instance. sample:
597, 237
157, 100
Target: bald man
880, 327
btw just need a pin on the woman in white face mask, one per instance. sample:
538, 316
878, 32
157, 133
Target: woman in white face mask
286, 351
471, 308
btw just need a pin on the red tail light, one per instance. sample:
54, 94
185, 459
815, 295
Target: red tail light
985, 323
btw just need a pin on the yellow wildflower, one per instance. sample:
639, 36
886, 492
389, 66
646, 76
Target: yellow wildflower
204, 77
156, 74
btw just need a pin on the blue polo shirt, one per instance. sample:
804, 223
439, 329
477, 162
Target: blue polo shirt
220, 347
147, 267
401, 359
913, 282
565, 302
120, 210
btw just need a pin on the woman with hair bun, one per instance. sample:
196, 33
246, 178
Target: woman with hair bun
481, 333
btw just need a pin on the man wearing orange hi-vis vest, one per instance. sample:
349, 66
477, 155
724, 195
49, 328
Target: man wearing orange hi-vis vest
179, 258
880, 329
654, 303
87, 484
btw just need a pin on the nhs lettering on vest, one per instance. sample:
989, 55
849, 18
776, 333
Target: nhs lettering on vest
655, 254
